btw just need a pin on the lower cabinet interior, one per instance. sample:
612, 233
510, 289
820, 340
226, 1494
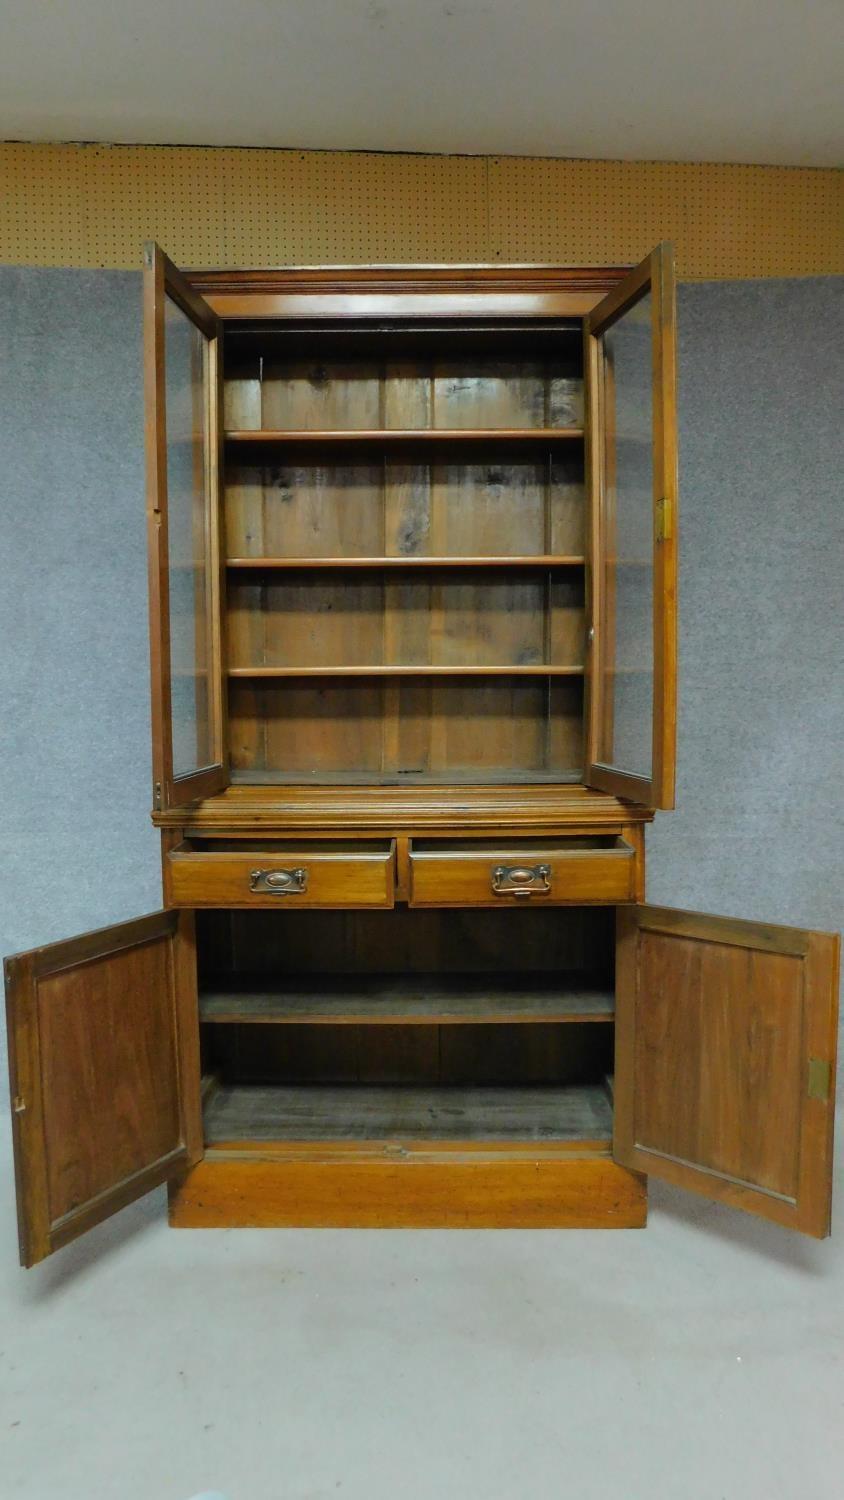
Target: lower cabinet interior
405, 1025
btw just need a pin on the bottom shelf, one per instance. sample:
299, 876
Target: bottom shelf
579, 1112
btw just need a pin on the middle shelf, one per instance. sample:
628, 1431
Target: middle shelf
276, 436
423, 669
327, 564
415, 999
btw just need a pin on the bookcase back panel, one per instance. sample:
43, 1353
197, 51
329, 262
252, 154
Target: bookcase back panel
489, 502
535, 940
475, 618
305, 509
444, 1055
513, 729
264, 390
403, 505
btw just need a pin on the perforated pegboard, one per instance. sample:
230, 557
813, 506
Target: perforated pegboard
725, 221
94, 206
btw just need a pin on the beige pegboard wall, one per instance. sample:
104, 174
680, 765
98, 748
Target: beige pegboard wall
94, 205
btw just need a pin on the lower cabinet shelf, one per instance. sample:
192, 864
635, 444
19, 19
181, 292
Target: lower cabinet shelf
309, 1112
402, 999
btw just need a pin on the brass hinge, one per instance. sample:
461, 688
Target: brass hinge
820, 1075
662, 519
156, 798
19, 1105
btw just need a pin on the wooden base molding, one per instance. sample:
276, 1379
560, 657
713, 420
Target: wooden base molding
451, 1188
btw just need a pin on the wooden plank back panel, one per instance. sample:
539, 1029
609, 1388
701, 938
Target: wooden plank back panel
476, 1054
566, 504
409, 941
358, 506
331, 390
320, 393
489, 392
510, 503
492, 506
308, 619
486, 727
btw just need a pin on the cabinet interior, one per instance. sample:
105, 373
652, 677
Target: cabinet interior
353, 1025
404, 523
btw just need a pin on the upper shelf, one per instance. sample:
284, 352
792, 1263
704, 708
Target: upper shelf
405, 434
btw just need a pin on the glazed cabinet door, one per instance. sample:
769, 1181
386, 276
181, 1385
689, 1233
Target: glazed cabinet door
104, 1073
632, 575
725, 1060
183, 435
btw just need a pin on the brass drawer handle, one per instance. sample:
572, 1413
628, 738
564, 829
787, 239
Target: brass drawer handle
521, 880
279, 882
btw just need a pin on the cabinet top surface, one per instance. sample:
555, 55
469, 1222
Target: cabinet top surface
445, 290
422, 270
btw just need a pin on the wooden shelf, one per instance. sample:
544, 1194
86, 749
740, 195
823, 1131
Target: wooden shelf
421, 671
545, 561
406, 434
412, 999
353, 1112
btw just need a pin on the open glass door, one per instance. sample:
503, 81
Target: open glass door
632, 436
726, 1036
104, 1071
183, 431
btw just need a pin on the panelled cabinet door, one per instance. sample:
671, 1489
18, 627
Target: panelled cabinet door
104, 1072
725, 1060
183, 382
632, 465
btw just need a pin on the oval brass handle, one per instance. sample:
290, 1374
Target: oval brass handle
521, 880
279, 882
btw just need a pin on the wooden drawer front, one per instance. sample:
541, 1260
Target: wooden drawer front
285, 876
564, 872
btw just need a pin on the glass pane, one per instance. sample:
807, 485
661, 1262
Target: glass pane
185, 355
626, 731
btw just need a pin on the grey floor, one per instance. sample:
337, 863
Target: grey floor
699, 1359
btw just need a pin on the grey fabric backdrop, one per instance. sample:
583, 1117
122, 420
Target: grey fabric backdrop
758, 832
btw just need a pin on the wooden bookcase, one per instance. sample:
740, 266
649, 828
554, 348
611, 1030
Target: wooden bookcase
413, 553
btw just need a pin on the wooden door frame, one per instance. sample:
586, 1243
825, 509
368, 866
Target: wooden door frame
38, 1235
655, 274
161, 280
809, 1211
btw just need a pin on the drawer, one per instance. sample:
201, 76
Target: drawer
555, 872
281, 873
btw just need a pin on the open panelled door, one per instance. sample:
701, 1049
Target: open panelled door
726, 1038
104, 1072
183, 382
630, 364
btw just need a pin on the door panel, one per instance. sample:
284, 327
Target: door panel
725, 1059
630, 365
182, 343
104, 1072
